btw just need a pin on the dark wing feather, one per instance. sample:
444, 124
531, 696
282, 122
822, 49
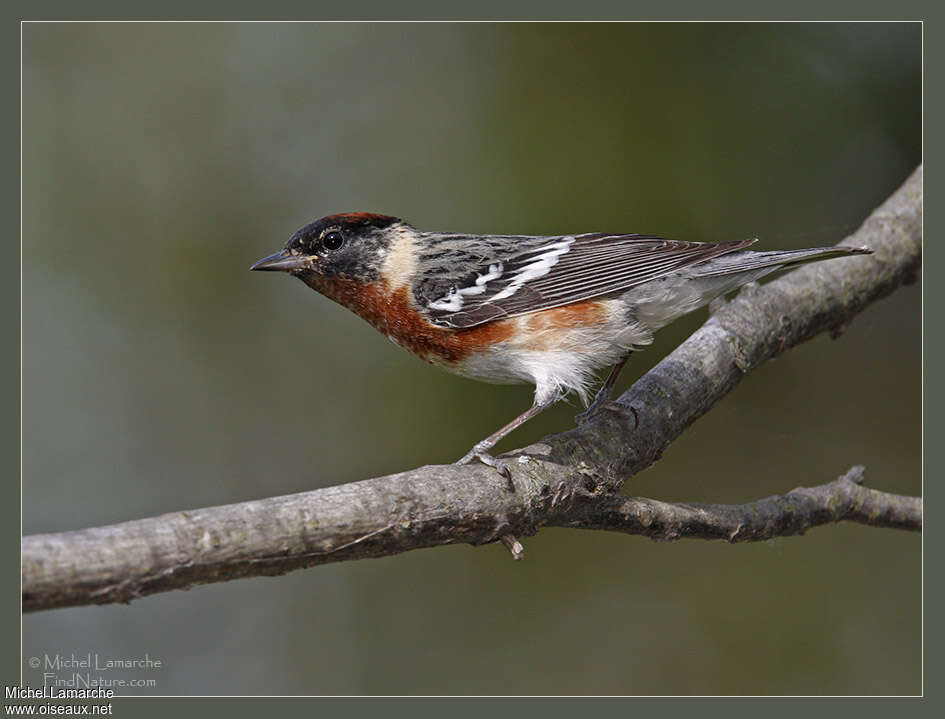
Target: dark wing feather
562, 270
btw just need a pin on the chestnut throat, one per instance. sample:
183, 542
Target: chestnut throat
393, 314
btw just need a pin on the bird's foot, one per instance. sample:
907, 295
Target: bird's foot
481, 454
601, 402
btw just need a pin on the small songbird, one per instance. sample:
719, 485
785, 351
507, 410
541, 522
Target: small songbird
549, 310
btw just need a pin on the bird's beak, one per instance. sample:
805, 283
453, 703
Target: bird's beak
284, 261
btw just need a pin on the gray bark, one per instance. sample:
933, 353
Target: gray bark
568, 480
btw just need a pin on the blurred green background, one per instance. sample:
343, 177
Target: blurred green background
160, 160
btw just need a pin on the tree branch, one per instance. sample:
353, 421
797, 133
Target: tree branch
781, 516
569, 480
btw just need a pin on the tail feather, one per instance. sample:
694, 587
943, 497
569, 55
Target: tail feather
748, 260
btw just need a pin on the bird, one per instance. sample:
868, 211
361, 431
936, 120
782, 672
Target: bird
549, 310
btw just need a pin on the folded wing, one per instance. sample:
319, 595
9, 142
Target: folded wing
562, 270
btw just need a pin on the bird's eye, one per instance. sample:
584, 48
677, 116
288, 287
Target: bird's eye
333, 240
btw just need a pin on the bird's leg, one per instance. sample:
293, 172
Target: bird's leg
480, 450
603, 394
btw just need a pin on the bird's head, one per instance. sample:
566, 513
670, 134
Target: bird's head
349, 246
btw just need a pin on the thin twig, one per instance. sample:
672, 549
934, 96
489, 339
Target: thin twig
779, 516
